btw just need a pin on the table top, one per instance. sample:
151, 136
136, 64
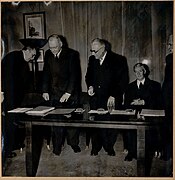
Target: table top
81, 118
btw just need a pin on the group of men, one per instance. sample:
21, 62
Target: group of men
108, 87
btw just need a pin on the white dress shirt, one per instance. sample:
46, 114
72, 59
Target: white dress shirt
102, 58
58, 54
142, 82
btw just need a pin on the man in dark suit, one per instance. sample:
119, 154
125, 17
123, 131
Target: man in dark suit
62, 86
15, 81
106, 79
142, 93
167, 91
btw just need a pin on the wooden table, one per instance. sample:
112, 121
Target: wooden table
116, 122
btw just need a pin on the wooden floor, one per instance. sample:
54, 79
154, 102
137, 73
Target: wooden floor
70, 164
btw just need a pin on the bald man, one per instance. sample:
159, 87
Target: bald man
62, 86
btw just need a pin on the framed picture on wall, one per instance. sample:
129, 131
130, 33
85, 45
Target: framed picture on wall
34, 25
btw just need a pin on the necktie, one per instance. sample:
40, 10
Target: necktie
140, 86
101, 61
56, 58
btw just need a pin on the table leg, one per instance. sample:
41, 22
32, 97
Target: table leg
141, 151
34, 142
29, 156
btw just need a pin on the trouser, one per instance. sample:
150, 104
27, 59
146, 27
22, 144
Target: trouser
152, 141
14, 135
131, 138
105, 138
59, 134
47, 134
167, 138
125, 138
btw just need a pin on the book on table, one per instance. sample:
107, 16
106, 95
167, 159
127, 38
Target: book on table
152, 112
61, 111
40, 110
123, 112
19, 110
98, 112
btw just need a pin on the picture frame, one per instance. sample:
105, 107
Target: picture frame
39, 61
34, 25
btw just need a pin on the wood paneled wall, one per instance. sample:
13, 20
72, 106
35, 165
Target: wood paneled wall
137, 30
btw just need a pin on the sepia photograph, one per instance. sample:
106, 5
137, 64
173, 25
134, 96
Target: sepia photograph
87, 89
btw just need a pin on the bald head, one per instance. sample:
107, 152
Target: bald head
55, 44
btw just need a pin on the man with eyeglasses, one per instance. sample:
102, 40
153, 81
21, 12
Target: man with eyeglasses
106, 79
62, 87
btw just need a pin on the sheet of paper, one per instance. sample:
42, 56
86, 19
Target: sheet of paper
40, 110
151, 112
19, 110
97, 112
123, 112
62, 111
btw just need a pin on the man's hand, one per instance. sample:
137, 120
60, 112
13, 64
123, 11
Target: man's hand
91, 91
111, 103
2, 97
65, 97
46, 96
138, 102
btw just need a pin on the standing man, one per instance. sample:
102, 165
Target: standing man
167, 91
106, 79
62, 86
15, 84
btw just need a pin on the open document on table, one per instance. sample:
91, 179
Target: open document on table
40, 110
123, 112
19, 110
152, 112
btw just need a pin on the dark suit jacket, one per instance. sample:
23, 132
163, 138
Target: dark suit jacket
15, 79
63, 74
167, 90
150, 93
167, 87
108, 79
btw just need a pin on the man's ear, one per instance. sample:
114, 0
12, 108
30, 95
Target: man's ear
144, 70
61, 43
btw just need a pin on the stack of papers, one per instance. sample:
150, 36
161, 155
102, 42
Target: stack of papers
61, 111
153, 113
123, 112
98, 112
40, 110
19, 110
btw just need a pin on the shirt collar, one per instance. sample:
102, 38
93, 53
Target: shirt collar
138, 82
103, 57
58, 54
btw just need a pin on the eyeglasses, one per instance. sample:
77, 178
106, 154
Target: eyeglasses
93, 51
53, 48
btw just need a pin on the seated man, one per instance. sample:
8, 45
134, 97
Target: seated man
142, 93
